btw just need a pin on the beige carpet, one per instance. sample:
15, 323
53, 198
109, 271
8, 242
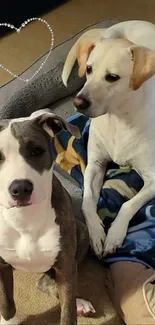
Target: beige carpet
19, 51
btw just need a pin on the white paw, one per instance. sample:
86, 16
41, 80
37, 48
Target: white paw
84, 308
12, 321
115, 238
97, 237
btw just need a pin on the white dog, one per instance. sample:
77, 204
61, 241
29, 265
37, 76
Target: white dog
119, 94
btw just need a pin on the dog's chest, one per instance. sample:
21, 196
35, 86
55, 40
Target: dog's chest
30, 251
121, 141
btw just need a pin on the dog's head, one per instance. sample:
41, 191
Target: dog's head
26, 161
115, 70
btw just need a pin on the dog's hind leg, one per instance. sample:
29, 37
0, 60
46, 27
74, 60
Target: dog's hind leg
60, 287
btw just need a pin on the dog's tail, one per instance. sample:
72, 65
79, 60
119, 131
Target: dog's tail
89, 37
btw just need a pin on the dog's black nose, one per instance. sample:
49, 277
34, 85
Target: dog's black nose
81, 103
21, 190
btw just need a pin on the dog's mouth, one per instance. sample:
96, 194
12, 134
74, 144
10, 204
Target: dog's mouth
20, 204
86, 113
91, 112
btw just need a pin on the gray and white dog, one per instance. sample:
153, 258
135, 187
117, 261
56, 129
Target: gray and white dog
38, 231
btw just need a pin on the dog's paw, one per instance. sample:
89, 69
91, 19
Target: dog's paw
84, 308
114, 239
97, 237
13, 321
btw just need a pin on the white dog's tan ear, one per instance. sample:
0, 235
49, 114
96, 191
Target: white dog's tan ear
83, 53
80, 51
143, 66
54, 124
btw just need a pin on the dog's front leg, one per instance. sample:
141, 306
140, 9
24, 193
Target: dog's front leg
93, 181
7, 304
67, 283
119, 227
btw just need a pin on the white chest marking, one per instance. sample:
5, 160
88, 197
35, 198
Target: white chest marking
30, 250
124, 143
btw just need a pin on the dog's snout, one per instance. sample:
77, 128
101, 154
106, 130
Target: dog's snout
21, 189
81, 103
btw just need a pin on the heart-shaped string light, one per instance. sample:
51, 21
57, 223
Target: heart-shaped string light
18, 31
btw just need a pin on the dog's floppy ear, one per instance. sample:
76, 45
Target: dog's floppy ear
83, 53
143, 66
54, 124
80, 52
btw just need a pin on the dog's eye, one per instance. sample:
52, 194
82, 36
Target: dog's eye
89, 69
37, 151
110, 77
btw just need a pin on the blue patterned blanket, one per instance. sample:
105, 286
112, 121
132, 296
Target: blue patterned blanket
120, 185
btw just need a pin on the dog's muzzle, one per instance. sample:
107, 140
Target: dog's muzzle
21, 191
